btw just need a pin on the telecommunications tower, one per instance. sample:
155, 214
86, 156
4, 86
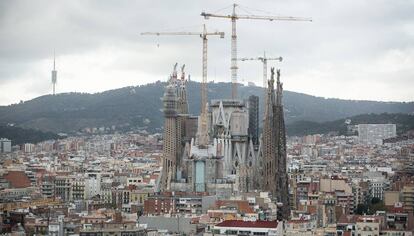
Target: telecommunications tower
54, 74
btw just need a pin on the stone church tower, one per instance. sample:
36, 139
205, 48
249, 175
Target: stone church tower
275, 179
175, 108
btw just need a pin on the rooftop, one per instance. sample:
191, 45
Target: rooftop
248, 224
17, 179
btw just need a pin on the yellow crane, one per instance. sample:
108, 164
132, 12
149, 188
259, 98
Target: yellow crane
234, 17
203, 35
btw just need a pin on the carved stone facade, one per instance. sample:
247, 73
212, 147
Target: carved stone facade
218, 152
229, 128
275, 178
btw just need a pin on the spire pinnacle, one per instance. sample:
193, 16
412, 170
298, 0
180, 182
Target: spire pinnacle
182, 73
279, 89
272, 77
278, 76
175, 70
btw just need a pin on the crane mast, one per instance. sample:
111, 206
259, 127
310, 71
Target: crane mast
203, 35
233, 55
204, 81
264, 60
234, 17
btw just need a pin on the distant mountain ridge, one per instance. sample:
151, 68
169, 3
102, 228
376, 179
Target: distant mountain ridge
139, 106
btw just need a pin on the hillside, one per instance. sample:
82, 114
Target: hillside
19, 135
404, 122
133, 107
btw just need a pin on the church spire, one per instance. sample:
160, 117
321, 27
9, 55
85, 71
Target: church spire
274, 146
270, 94
182, 92
279, 91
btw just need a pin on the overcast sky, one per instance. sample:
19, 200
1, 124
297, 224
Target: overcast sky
355, 49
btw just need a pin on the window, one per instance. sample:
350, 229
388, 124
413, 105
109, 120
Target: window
259, 233
231, 231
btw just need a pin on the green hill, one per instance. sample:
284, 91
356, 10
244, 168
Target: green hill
133, 107
19, 135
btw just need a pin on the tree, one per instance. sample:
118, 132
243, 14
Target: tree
362, 209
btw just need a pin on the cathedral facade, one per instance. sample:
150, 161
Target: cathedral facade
219, 151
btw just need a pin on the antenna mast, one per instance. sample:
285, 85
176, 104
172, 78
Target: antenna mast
54, 74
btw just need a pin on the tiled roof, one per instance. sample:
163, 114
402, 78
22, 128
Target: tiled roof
248, 224
242, 206
347, 219
17, 179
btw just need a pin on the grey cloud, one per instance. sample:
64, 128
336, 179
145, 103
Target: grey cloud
343, 32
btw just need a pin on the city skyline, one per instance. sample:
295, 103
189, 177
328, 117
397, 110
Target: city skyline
152, 151
348, 47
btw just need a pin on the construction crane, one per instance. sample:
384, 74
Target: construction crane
234, 17
203, 35
264, 60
